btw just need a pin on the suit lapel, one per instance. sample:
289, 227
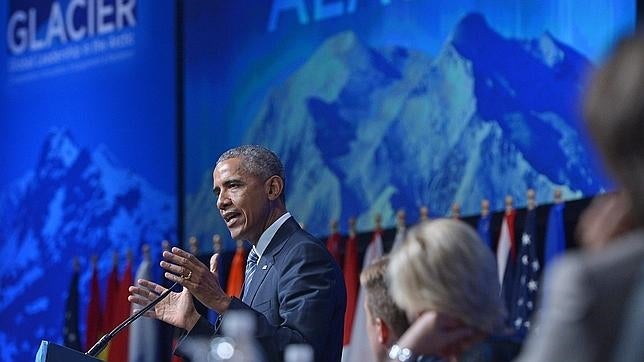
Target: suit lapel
268, 258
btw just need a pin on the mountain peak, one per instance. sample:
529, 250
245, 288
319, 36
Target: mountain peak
342, 42
471, 27
549, 50
104, 157
59, 146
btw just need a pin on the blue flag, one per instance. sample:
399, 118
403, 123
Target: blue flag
555, 242
71, 336
526, 283
483, 229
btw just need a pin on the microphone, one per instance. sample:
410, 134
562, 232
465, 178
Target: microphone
102, 343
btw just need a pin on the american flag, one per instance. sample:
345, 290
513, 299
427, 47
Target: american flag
526, 282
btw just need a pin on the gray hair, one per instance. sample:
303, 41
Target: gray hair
614, 113
444, 266
256, 160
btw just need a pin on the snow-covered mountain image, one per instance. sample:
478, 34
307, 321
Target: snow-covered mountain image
363, 130
75, 202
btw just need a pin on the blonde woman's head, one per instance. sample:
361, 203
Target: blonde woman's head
444, 266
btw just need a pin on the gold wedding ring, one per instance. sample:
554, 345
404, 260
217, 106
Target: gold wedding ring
187, 277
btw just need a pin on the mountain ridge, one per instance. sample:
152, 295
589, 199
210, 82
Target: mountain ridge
394, 127
76, 202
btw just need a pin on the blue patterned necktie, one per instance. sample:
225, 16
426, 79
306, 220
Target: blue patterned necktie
251, 265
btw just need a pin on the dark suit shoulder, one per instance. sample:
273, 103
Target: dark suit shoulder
290, 235
302, 246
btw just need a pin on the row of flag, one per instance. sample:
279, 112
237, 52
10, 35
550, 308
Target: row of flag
141, 341
518, 263
145, 339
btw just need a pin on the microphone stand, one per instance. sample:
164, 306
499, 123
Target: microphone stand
102, 343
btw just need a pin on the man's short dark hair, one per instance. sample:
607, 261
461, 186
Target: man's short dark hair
256, 160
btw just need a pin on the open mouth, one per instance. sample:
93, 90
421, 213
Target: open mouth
230, 217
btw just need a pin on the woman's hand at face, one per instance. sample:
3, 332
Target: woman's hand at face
433, 333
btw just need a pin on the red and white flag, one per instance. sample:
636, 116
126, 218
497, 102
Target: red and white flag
506, 247
359, 349
119, 346
351, 280
111, 297
94, 319
143, 332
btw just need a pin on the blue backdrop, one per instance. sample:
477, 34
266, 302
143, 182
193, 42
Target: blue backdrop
373, 106
380, 105
88, 149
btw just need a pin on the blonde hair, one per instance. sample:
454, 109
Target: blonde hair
444, 266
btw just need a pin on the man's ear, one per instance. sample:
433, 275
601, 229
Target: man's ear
382, 332
274, 187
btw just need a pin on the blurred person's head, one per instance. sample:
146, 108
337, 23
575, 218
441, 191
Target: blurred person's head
443, 266
614, 112
385, 321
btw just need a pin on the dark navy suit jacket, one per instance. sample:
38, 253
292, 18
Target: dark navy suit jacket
297, 295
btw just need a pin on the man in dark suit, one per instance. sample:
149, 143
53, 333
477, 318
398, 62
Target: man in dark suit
293, 286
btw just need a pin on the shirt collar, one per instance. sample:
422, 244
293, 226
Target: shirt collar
268, 234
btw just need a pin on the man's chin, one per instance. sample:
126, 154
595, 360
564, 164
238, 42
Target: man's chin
236, 235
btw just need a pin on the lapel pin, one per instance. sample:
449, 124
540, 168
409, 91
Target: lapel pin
264, 267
